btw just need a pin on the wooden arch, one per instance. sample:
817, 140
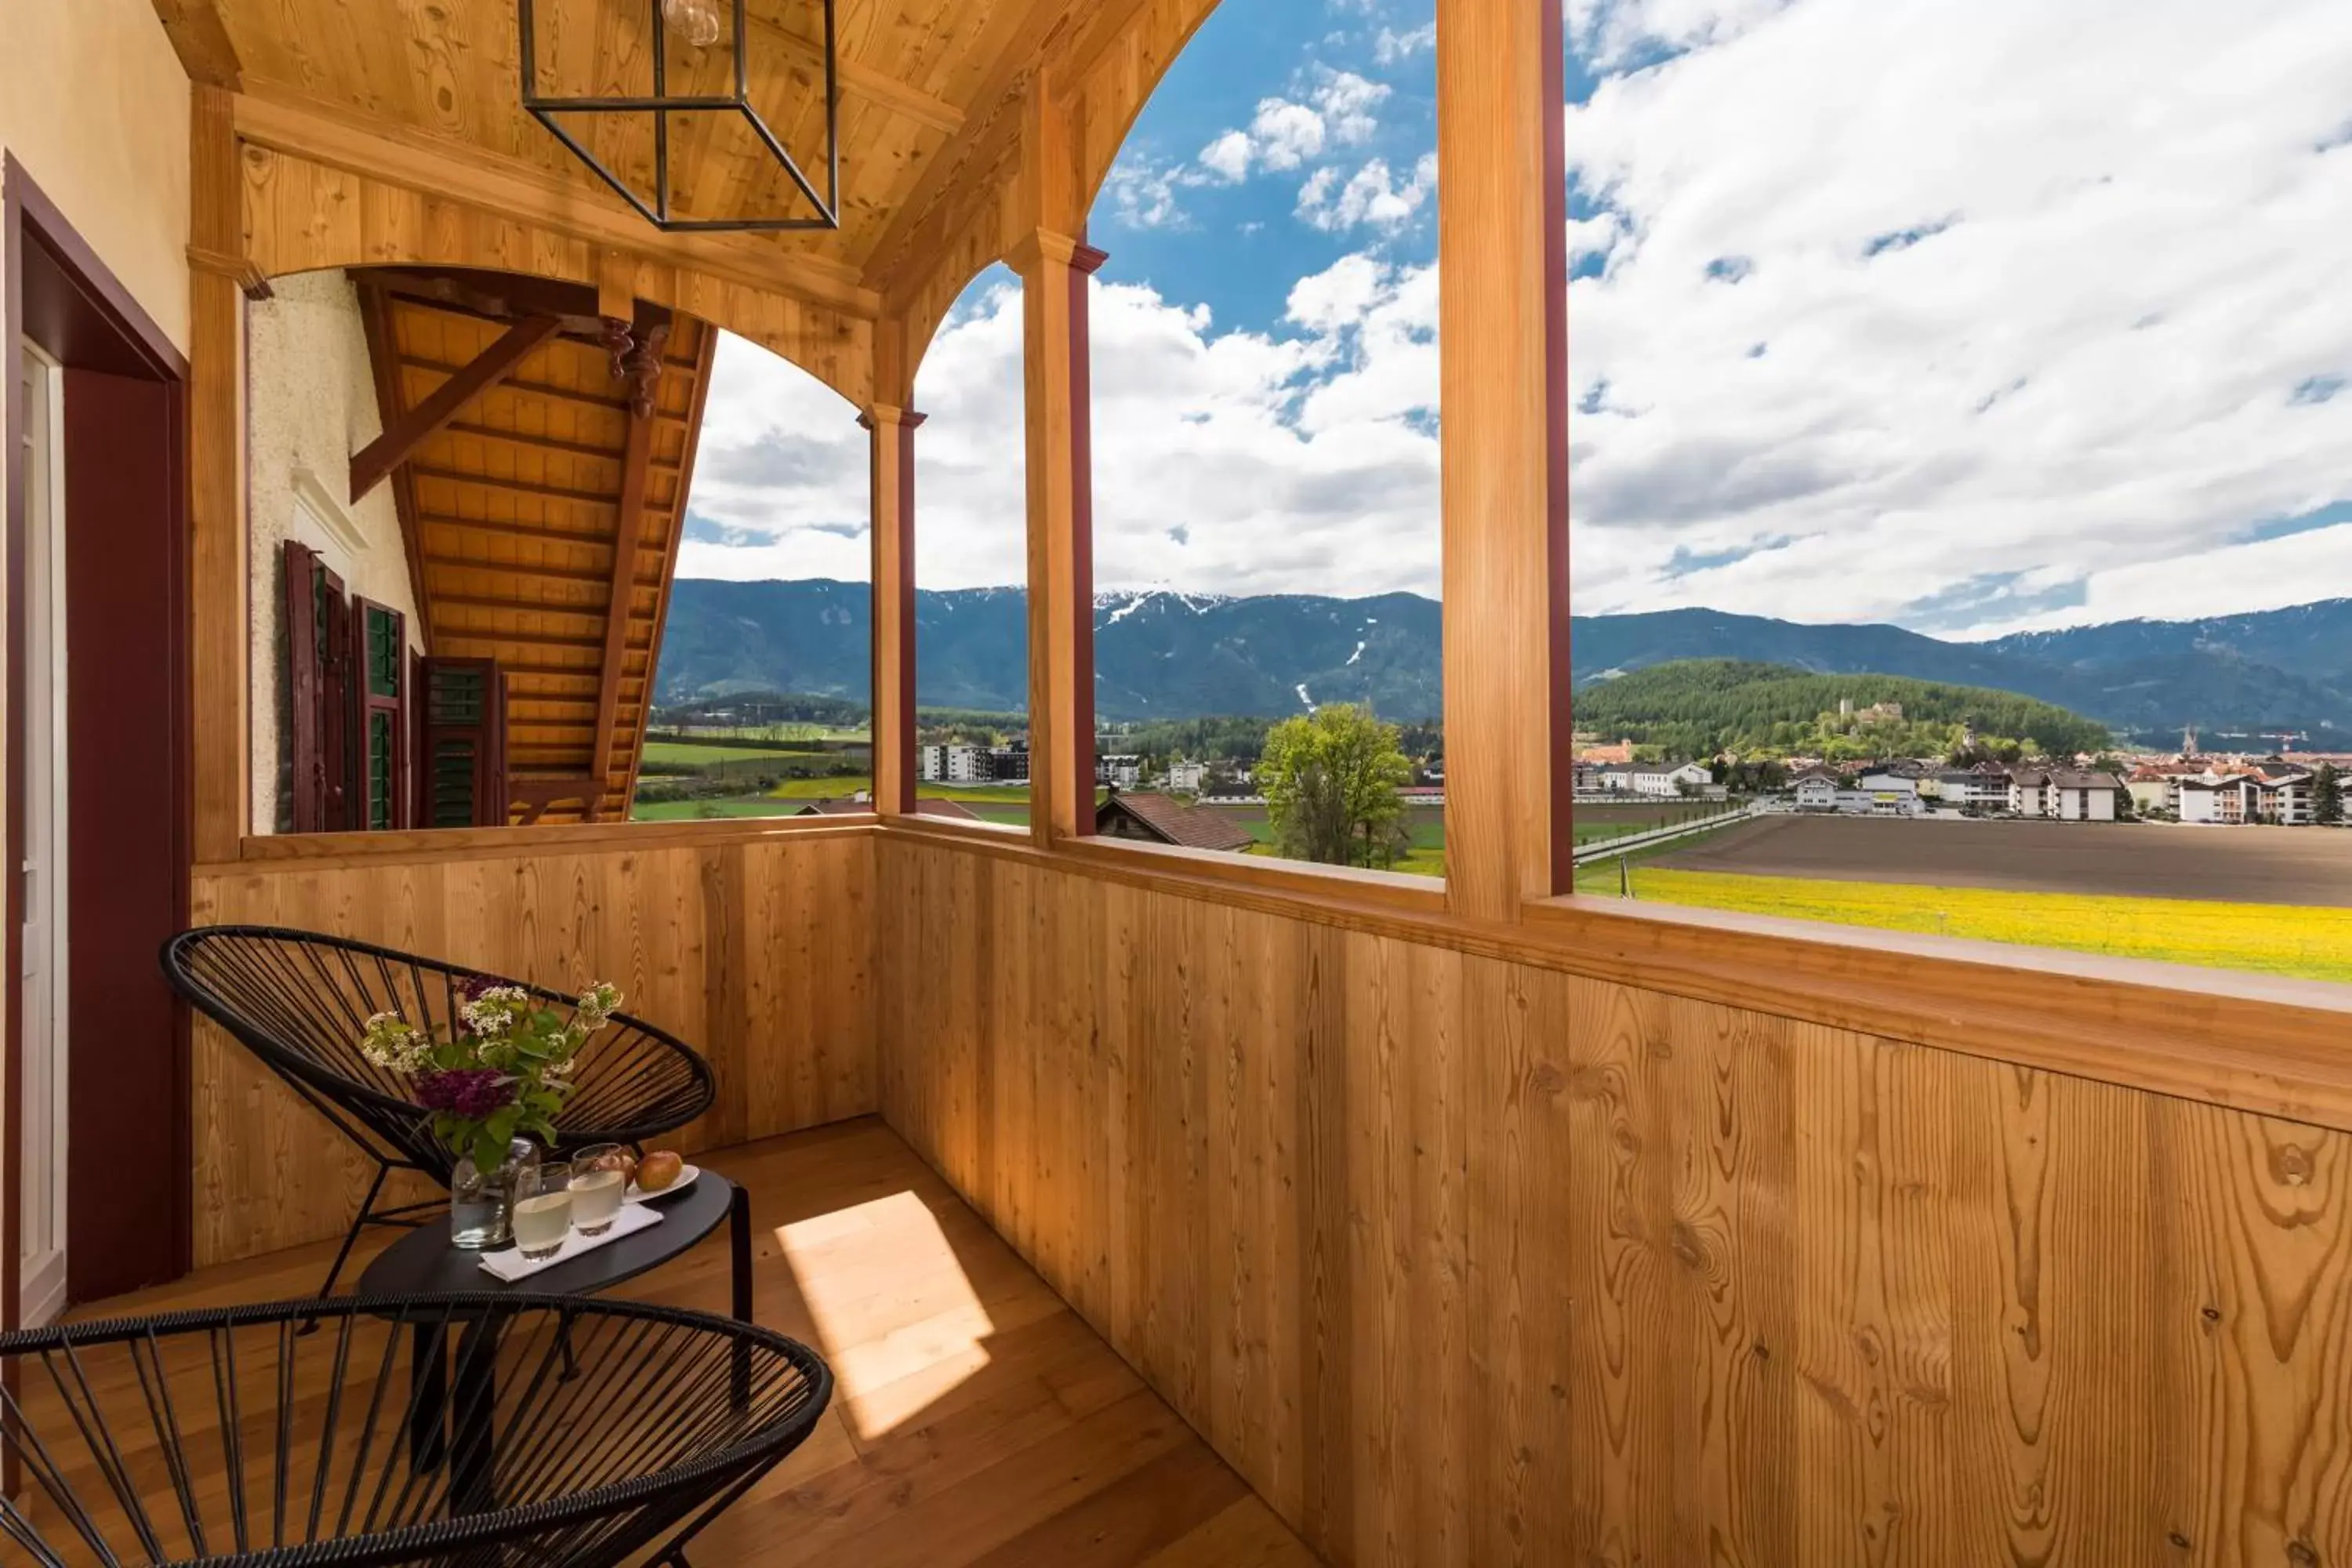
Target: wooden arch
1084, 99
301, 214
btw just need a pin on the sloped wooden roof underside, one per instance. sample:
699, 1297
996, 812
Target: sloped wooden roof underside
529, 541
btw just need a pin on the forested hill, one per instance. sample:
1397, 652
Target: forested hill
1165, 655
1695, 707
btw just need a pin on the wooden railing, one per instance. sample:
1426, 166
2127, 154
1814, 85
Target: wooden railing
1483, 1245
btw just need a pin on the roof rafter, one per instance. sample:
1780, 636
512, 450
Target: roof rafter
420, 424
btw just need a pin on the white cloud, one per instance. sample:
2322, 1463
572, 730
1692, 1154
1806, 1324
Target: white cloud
1336, 111
1370, 196
781, 474
1884, 312
1145, 192
1303, 462
1618, 33
1909, 312
1392, 48
1228, 157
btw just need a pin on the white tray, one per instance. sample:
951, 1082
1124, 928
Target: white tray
509, 1265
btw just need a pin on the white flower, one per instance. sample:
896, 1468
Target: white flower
391, 1043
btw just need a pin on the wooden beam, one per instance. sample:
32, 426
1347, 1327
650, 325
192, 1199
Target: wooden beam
218, 578
271, 116
535, 388
512, 297
893, 492
420, 424
996, 120
1055, 270
568, 493
1502, 351
875, 86
383, 360
706, 357
625, 547
201, 40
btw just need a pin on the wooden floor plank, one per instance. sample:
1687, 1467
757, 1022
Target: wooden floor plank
977, 1421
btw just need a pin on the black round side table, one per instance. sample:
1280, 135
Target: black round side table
422, 1263
447, 1417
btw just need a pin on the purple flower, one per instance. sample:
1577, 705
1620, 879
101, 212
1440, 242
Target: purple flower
470, 1094
471, 988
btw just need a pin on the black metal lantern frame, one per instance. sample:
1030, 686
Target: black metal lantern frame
662, 104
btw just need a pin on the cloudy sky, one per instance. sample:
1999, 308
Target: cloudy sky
1964, 314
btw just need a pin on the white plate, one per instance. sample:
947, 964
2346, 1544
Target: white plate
685, 1178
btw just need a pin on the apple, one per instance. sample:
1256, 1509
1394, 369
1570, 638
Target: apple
658, 1169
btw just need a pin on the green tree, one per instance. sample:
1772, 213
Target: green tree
2327, 796
1331, 781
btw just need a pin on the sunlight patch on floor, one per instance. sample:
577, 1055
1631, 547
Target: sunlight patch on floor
895, 1313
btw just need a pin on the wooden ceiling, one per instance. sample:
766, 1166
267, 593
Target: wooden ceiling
543, 518
919, 80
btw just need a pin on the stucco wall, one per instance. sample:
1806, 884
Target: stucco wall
309, 404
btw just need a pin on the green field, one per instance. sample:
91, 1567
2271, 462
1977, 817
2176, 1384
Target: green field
2272, 939
685, 753
1596, 823
780, 734
700, 810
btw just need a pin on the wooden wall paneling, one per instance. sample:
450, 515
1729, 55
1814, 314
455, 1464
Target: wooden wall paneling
1462, 1260
758, 952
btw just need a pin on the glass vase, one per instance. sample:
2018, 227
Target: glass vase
481, 1205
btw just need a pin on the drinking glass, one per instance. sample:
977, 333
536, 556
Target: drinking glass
542, 1209
600, 1177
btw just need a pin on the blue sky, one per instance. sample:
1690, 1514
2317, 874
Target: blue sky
1239, 247
1968, 315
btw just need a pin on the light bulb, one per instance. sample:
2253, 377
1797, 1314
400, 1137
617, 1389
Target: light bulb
695, 21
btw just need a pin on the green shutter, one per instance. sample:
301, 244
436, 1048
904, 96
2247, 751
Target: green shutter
378, 771
385, 652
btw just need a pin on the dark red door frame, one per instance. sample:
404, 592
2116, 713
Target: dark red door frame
81, 315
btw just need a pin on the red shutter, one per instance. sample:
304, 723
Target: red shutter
305, 741
461, 751
335, 699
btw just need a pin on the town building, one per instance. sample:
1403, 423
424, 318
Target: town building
2029, 793
2218, 798
1651, 781
1886, 793
1816, 790
1120, 770
2075, 795
1186, 778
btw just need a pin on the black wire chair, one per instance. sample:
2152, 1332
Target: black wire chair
300, 1002
461, 1431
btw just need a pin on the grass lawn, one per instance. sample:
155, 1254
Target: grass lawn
781, 734
2274, 938
685, 753
695, 810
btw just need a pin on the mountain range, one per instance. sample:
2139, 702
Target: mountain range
1164, 655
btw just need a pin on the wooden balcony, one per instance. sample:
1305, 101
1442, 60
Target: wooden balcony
977, 1419
1158, 1208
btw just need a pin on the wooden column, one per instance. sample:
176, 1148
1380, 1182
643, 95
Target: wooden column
217, 574
1055, 270
895, 773
1502, 240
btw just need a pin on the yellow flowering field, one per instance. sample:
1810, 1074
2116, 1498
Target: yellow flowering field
2275, 939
